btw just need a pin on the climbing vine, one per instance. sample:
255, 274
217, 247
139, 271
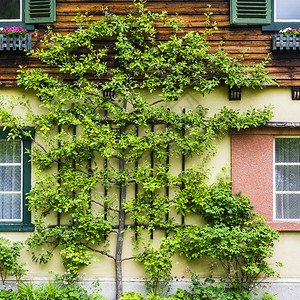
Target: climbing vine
96, 134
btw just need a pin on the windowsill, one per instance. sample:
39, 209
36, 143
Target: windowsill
276, 26
284, 225
16, 227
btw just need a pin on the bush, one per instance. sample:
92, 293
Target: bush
62, 287
268, 296
48, 291
158, 265
9, 295
132, 296
208, 289
9, 264
235, 236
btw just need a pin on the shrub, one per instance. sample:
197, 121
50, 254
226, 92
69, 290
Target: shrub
9, 263
62, 287
132, 296
158, 265
235, 237
209, 289
268, 296
9, 295
48, 291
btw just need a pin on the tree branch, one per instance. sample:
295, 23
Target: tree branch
109, 208
34, 140
102, 252
156, 102
128, 258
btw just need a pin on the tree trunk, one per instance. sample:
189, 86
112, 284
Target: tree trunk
120, 240
120, 236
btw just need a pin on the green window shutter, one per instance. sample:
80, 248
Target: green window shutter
40, 11
250, 11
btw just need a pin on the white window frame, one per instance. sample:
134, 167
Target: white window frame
274, 181
21, 186
15, 20
281, 20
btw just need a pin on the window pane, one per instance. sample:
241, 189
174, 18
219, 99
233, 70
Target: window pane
10, 206
288, 206
10, 151
287, 150
287, 10
10, 178
287, 178
10, 9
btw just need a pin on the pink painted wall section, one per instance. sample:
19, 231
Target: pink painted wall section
252, 170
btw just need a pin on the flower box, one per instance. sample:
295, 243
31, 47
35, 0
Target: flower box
15, 42
286, 42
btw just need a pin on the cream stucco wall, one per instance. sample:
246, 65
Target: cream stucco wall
287, 250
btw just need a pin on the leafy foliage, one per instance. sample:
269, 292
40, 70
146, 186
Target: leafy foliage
234, 235
9, 260
132, 296
208, 289
60, 288
8, 295
158, 266
97, 129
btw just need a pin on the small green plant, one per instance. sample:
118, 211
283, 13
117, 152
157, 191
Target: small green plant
9, 295
70, 288
212, 290
9, 263
139, 296
43, 291
208, 288
131, 296
268, 296
158, 265
153, 296
62, 287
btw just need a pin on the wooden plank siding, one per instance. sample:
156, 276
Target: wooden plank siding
285, 65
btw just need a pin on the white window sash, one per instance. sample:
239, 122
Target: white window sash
276, 19
275, 192
20, 164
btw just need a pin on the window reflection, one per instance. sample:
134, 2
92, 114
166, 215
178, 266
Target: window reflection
10, 10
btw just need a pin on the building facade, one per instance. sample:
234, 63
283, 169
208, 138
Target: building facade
264, 162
